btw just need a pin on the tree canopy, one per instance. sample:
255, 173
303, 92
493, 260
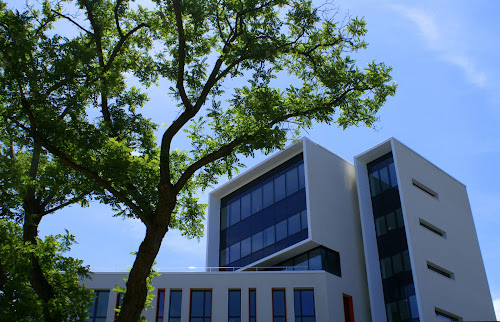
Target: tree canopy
244, 75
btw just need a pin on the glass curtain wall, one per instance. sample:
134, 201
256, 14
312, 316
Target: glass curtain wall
397, 278
265, 216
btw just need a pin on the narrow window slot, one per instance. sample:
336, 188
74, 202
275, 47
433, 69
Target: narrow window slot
446, 316
425, 189
432, 228
441, 271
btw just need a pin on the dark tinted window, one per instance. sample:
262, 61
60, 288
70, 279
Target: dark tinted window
304, 306
160, 303
252, 310
201, 306
99, 308
246, 206
234, 306
279, 188
268, 194
279, 308
292, 181
174, 314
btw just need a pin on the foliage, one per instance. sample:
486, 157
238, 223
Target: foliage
244, 75
18, 301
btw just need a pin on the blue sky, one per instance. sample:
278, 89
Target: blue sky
447, 108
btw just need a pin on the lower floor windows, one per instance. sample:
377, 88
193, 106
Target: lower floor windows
403, 310
98, 310
252, 305
279, 305
234, 306
304, 306
175, 304
201, 306
160, 305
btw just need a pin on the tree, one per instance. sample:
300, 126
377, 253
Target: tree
52, 85
18, 300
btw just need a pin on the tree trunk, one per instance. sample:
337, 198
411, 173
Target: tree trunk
135, 297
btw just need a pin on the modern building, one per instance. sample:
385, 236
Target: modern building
307, 236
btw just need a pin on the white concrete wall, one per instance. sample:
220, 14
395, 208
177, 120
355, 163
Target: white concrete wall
328, 291
334, 218
468, 294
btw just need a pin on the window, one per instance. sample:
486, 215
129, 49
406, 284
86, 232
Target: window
441, 271
279, 306
160, 305
446, 316
304, 306
201, 306
119, 302
234, 306
268, 194
319, 258
348, 308
174, 308
234, 212
98, 310
432, 228
425, 189
292, 181
252, 305
246, 247
246, 206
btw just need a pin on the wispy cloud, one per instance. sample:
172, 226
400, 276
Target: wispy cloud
443, 41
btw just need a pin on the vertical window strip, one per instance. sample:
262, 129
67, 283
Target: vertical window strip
252, 305
175, 306
160, 305
119, 302
234, 306
279, 305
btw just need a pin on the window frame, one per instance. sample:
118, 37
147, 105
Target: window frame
204, 302
284, 303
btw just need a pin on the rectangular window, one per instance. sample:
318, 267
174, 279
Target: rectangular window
269, 236
98, 310
257, 241
252, 305
119, 302
246, 206
292, 181
384, 179
234, 252
268, 194
174, 313
246, 247
392, 174
432, 228
234, 306
279, 305
224, 220
293, 224
302, 177
256, 200
279, 188
441, 271
303, 219
281, 230
425, 189
201, 306
234, 212
304, 305
348, 308
446, 316
160, 303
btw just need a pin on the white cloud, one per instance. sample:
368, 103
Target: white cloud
444, 42
496, 305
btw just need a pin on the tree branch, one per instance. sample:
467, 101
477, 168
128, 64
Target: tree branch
72, 21
182, 54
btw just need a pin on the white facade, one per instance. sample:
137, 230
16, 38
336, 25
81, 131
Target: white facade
338, 216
